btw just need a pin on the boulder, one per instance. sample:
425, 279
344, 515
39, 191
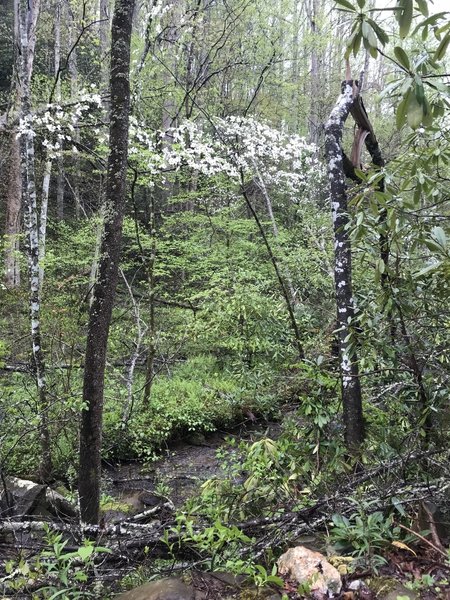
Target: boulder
163, 589
20, 497
59, 505
312, 568
23, 497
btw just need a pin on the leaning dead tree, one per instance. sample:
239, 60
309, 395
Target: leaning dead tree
340, 167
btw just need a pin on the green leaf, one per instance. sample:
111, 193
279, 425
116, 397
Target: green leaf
439, 235
357, 43
433, 245
402, 57
422, 5
85, 551
380, 33
442, 48
420, 92
414, 111
429, 21
405, 16
428, 115
427, 270
380, 266
441, 30
439, 86
361, 3
402, 108
346, 4
369, 34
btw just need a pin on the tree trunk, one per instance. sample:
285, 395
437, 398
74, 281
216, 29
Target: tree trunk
43, 219
73, 75
13, 204
351, 389
49, 163
27, 25
295, 64
315, 76
274, 261
151, 351
265, 193
104, 47
104, 290
14, 189
141, 330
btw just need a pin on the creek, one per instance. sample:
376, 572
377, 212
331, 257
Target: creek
178, 474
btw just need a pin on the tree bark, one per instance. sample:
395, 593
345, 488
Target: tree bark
104, 46
27, 25
350, 384
49, 162
104, 289
73, 75
315, 75
151, 351
14, 189
13, 205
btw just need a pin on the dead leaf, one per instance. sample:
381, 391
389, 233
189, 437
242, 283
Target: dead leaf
403, 546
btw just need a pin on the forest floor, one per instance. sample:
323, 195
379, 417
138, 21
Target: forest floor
187, 463
183, 467
134, 487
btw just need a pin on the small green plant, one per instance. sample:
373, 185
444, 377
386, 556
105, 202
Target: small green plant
217, 543
364, 534
163, 489
263, 578
427, 582
64, 574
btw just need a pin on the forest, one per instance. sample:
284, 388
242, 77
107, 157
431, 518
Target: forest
224, 299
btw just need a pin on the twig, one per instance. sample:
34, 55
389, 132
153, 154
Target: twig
424, 539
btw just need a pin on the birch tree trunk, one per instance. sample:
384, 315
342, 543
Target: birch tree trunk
59, 159
104, 47
315, 77
14, 189
49, 162
27, 27
12, 221
350, 383
295, 62
73, 76
104, 290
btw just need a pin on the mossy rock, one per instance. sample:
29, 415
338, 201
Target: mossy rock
388, 588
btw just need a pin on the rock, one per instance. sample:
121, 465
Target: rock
195, 438
163, 589
6, 504
149, 500
25, 497
398, 590
355, 585
21, 496
312, 568
59, 505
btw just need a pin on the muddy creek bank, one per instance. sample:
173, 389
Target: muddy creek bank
178, 474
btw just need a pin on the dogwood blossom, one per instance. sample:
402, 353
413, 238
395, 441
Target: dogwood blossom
235, 147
